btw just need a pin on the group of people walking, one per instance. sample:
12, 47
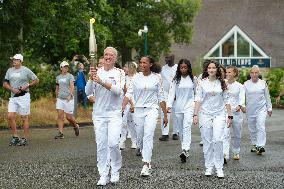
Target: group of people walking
214, 101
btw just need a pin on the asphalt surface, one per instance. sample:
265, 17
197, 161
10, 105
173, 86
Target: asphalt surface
71, 162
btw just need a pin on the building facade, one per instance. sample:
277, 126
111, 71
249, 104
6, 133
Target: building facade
259, 20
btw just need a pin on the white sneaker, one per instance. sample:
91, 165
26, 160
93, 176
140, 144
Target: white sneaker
220, 173
145, 171
122, 145
114, 178
133, 145
103, 181
128, 135
209, 171
236, 156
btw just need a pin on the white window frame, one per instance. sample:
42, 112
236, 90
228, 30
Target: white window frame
234, 31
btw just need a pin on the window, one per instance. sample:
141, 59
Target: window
228, 47
242, 47
235, 44
216, 53
255, 53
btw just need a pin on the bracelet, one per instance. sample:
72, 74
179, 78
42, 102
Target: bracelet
230, 117
194, 115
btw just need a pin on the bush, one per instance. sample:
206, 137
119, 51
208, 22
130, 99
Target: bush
274, 81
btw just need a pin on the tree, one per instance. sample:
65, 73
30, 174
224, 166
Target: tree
168, 21
57, 29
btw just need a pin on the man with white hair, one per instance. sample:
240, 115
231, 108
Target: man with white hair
18, 80
258, 105
107, 86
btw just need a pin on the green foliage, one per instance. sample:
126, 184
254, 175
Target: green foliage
46, 75
52, 29
197, 67
4, 65
46, 32
167, 21
274, 80
243, 73
57, 29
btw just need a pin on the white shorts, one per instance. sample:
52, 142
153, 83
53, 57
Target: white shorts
66, 106
20, 104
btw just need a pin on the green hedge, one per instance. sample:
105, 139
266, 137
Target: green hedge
47, 73
274, 79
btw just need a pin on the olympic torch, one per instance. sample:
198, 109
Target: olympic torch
92, 45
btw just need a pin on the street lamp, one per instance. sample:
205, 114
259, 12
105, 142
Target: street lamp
144, 32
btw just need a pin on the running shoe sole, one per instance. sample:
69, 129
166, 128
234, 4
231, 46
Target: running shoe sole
182, 157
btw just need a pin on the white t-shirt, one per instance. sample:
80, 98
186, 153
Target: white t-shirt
184, 94
257, 97
146, 91
168, 73
108, 102
236, 94
211, 97
128, 80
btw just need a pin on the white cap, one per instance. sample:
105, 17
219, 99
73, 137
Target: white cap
18, 57
64, 63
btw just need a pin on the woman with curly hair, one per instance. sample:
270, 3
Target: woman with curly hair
211, 103
147, 93
182, 90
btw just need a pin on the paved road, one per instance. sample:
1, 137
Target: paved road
71, 162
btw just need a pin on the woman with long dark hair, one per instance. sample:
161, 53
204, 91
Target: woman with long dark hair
182, 89
211, 102
147, 93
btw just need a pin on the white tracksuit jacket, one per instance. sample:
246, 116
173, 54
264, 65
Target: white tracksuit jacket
107, 118
147, 92
236, 94
184, 108
127, 119
212, 120
257, 104
168, 74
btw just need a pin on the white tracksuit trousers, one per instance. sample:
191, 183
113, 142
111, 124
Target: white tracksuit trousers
184, 123
212, 136
166, 130
145, 120
107, 131
256, 127
235, 136
128, 125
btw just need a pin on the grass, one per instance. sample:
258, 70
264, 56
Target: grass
43, 113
